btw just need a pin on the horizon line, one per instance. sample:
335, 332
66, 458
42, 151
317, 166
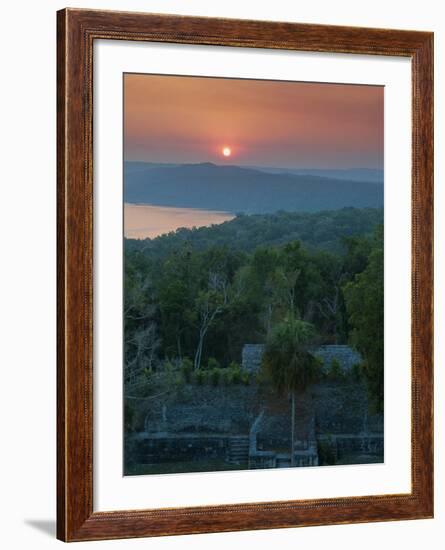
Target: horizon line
255, 165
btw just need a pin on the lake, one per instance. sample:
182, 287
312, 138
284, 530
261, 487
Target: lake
143, 221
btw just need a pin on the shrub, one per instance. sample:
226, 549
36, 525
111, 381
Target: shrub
170, 372
335, 371
168, 366
200, 377
212, 364
187, 363
236, 375
227, 376
187, 369
147, 373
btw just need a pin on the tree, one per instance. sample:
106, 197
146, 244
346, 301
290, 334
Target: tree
138, 367
177, 280
364, 303
289, 364
210, 304
141, 342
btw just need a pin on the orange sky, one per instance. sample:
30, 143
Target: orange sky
291, 124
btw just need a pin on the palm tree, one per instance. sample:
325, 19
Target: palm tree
289, 364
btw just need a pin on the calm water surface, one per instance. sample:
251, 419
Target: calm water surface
143, 221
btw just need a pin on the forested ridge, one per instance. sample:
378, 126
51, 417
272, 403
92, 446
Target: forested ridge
321, 230
240, 189
193, 298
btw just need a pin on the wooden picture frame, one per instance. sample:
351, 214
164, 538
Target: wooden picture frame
76, 32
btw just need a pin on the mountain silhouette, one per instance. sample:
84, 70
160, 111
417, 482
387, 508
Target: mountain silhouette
243, 190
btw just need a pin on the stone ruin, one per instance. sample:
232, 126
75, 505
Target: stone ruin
249, 426
346, 357
251, 356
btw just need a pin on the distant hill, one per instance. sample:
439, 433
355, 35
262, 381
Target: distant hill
353, 174
320, 230
243, 190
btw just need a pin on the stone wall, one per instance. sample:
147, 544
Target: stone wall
201, 415
251, 356
342, 407
350, 449
167, 448
337, 407
346, 356
205, 409
207, 422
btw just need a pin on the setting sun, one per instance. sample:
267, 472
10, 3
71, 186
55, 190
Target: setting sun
226, 151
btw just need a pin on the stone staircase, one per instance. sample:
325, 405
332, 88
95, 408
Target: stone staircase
238, 449
305, 446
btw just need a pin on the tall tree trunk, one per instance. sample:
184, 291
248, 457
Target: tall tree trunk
178, 345
198, 353
292, 450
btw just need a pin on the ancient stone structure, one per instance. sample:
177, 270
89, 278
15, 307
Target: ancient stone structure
345, 356
249, 425
251, 357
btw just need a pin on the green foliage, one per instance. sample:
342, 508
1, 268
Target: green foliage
357, 253
187, 369
286, 359
289, 364
245, 378
237, 376
231, 375
170, 374
226, 376
200, 377
321, 230
198, 296
215, 376
213, 364
335, 371
364, 302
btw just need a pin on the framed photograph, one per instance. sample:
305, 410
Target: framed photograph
245, 230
